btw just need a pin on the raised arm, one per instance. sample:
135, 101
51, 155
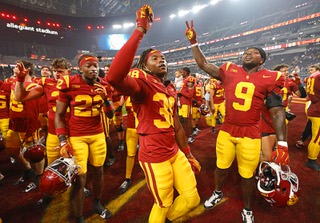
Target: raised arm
198, 55
20, 92
122, 63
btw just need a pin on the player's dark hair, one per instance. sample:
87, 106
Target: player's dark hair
61, 62
278, 67
141, 63
27, 65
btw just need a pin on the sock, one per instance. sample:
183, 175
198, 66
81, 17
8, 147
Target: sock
37, 179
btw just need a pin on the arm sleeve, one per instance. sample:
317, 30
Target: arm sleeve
121, 65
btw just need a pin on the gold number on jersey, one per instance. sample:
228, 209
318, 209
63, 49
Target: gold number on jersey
244, 91
3, 101
198, 91
59, 83
86, 106
134, 73
284, 91
15, 106
310, 86
54, 94
166, 111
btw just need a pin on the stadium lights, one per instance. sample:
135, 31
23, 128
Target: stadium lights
197, 8
172, 16
213, 2
117, 26
127, 25
183, 12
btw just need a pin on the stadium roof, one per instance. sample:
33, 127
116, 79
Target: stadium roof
88, 8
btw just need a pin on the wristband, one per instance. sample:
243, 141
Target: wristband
20, 79
195, 44
108, 107
283, 143
61, 131
186, 150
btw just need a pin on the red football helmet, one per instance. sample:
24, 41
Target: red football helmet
58, 176
278, 185
34, 153
204, 109
2, 143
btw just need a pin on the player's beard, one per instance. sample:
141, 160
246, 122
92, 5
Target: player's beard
249, 66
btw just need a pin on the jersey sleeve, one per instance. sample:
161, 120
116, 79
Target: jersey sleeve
63, 85
278, 84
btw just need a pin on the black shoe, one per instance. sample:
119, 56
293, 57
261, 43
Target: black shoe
191, 139
111, 161
121, 147
105, 213
27, 175
312, 164
43, 202
124, 186
31, 186
87, 192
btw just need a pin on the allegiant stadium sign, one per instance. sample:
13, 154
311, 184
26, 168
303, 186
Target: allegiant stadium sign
31, 28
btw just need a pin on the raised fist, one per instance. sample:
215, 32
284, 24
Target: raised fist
191, 33
144, 17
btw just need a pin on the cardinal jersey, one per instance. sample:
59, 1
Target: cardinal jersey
85, 105
51, 94
197, 96
266, 125
4, 104
313, 91
218, 96
245, 94
186, 93
154, 107
24, 115
287, 90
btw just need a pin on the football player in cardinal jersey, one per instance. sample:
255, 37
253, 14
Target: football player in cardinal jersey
313, 91
164, 152
85, 95
47, 88
246, 88
23, 123
217, 102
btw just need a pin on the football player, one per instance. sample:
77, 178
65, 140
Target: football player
246, 88
85, 95
164, 152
